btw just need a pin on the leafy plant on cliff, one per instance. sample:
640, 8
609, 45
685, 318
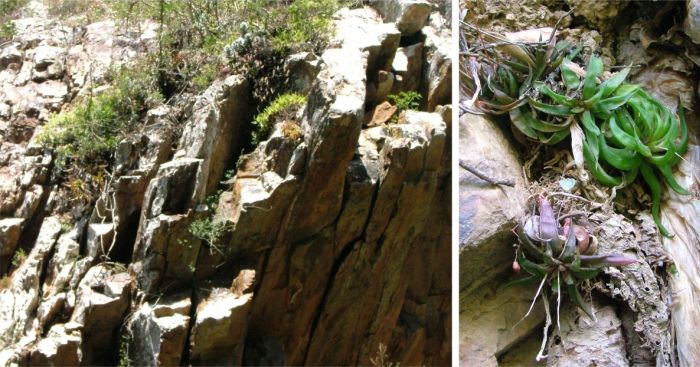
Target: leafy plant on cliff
405, 101
208, 230
19, 257
89, 132
627, 132
559, 258
281, 109
84, 137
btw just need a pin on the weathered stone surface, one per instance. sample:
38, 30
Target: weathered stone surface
600, 14
102, 300
10, 55
59, 282
385, 82
332, 123
256, 210
99, 239
374, 269
681, 215
166, 253
585, 342
381, 114
301, 70
10, 229
219, 329
297, 211
487, 212
159, 332
436, 85
408, 65
363, 29
173, 189
211, 134
488, 318
631, 284
691, 25
58, 348
48, 63
30, 202
410, 15
18, 304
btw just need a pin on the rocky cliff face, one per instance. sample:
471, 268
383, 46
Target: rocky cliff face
337, 241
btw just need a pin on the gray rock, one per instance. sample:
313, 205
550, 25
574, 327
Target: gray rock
691, 25
102, 301
49, 63
301, 70
586, 342
487, 328
10, 55
408, 64
363, 29
99, 239
385, 83
30, 202
212, 134
58, 348
166, 253
436, 85
173, 189
10, 230
18, 304
410, 15
159, 332
487, 212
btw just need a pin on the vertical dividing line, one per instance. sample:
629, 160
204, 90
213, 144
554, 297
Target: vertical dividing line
455, 182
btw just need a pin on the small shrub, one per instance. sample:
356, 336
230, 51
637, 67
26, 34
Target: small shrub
405, 101
9, 9
283, 107
18, 257
305, 22
7, 30
208, 230
5, 282
291, 129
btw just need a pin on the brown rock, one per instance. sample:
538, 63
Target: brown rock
382, 114
220, 328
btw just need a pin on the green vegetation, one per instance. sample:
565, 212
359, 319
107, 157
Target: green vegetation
627, 132
18, 257
9, 9
563, 262
198, 41
89, 132
281, 109
208, 230
405, 101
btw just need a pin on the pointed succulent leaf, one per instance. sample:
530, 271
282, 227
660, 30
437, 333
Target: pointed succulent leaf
571, 80
595, 68
614, 82
655, 187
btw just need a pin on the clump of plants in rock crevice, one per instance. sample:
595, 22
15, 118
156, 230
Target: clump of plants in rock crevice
626, 133
560, 255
